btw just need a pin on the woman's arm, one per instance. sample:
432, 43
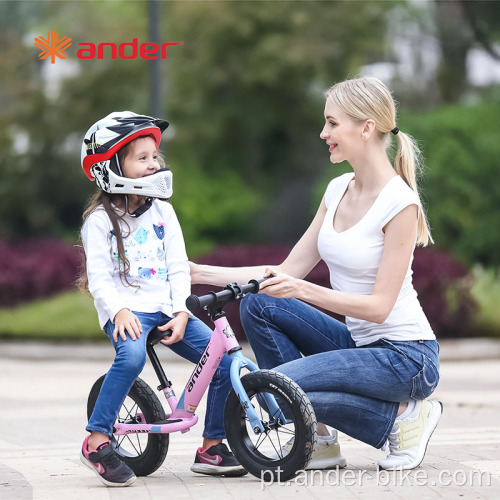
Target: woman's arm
400, 235
302, 258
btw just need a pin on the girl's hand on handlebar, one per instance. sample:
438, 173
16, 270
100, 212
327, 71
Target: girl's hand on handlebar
126, 322
178, 327
280, 285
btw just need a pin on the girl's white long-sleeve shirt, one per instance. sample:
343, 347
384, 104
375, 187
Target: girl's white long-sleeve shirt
159, 270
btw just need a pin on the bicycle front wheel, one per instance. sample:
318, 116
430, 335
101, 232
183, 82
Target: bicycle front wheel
143, 453
285, 447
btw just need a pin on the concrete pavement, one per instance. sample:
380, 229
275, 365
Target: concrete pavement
42, 420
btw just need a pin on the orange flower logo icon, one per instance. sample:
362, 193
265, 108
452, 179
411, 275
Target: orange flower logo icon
52, 46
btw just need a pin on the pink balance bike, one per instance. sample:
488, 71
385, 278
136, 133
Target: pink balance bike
264, 410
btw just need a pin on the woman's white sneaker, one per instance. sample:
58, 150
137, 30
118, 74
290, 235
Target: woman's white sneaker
326, 453
409, 437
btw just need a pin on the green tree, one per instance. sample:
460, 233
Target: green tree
463, 25
244, 96
247, 97
461, 149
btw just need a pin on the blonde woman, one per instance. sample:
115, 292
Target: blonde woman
371, 376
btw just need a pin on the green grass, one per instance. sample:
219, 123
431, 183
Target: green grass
69, 316
486, 290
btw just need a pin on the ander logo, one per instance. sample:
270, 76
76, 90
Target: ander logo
53, 46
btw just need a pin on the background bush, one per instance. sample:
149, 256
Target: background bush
40, 268
35, 268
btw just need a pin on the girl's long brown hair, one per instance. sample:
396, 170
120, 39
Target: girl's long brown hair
98, 199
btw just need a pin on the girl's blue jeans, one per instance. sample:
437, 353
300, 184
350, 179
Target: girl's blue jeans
356, 390
130, 360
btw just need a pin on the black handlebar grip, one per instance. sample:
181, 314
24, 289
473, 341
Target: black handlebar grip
193, 303
265, 279
254, 288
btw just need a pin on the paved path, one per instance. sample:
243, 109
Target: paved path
42, 417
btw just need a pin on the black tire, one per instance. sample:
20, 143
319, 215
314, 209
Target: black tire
143, 453
262, 452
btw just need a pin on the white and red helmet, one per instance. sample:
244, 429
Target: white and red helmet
99, 155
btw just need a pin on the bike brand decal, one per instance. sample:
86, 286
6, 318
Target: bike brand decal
245, 405
197, 370
191, 408
228, 332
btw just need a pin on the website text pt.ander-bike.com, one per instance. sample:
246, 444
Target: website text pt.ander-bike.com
335, 477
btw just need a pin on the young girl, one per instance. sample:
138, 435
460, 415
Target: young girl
138, 273
368, 378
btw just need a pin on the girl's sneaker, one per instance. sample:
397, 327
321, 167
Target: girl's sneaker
105, 463
217, 461
409, 437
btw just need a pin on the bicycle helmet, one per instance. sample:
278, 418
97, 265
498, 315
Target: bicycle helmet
100, 149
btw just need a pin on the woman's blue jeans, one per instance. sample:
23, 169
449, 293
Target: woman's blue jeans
356, 390
130, 360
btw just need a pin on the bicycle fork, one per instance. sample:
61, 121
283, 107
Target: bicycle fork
238, 362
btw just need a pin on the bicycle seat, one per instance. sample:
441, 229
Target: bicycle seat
156, 335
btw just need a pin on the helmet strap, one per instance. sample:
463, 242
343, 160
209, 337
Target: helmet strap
142, 209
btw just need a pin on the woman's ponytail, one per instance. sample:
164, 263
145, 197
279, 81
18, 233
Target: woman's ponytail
408, 164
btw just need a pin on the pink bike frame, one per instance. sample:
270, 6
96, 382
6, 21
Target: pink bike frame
182, 411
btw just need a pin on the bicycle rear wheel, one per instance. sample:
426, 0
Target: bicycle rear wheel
143, 453
267, 451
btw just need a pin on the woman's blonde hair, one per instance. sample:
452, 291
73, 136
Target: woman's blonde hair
367, 98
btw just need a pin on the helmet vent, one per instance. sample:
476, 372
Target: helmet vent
163, 186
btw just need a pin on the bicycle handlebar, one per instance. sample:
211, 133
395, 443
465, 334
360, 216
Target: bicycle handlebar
231, 292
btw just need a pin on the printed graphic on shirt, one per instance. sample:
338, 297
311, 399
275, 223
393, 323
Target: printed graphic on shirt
115, 255
146, 273
141, 236
144, 251
159, 230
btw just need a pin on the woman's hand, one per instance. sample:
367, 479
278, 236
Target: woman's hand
281, 285
178, 327
126, 322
